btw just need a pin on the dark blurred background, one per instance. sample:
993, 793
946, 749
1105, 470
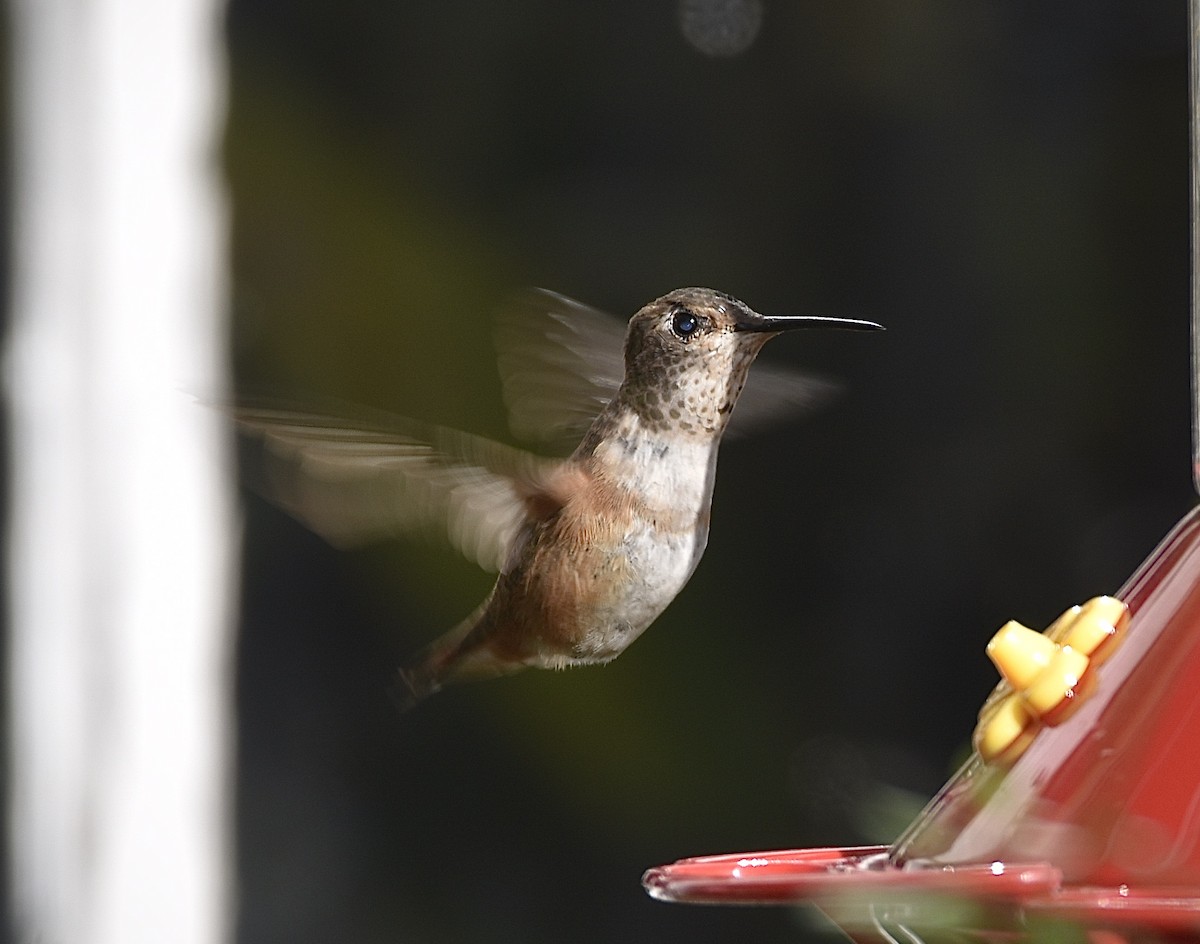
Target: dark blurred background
1003, 184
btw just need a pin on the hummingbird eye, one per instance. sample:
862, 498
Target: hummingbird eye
684, 324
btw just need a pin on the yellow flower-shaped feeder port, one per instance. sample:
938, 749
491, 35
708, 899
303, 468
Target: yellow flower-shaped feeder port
1044, 674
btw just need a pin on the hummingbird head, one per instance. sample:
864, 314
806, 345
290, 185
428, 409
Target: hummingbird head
687, 355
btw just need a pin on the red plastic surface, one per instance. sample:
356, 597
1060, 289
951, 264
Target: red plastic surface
828, 874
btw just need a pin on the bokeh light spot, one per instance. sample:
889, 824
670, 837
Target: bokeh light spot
720, 27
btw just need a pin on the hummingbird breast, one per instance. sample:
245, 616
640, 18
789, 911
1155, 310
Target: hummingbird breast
585, 581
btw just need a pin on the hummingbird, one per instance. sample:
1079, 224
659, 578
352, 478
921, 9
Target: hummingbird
589, 548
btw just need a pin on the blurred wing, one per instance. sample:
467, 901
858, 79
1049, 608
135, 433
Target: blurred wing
560, 362
355, 483
775, 394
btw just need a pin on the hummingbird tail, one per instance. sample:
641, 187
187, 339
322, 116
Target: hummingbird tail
426, 672
440, 662
463, 654
412, 686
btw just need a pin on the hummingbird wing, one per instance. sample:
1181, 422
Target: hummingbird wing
774, 395
561, 361
358, 481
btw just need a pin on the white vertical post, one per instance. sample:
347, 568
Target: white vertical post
121, 508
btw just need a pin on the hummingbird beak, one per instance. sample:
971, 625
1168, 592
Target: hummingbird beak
753, 321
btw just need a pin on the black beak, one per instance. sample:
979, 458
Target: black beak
753, 321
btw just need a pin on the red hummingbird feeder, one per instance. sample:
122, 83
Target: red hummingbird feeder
1079, 809
1085, 811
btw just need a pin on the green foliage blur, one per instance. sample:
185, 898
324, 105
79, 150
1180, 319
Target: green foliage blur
1003, 184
